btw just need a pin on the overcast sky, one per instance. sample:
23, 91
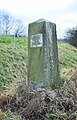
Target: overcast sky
61, 12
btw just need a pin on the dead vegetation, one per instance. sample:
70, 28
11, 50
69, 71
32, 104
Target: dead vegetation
44, 104
74, 75
59, 104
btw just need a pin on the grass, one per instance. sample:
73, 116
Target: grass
67, 58
8, 115
13, 59
13, 40
67, 55
13, 63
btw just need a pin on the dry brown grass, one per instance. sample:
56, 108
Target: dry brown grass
58, 104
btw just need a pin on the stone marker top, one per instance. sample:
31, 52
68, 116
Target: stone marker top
42, 20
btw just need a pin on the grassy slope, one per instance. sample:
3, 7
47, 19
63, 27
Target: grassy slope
13, 58
67, 55
67, 58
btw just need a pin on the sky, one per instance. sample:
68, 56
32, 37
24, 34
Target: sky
61, 12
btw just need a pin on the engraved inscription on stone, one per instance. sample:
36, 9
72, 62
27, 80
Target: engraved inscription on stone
36, 40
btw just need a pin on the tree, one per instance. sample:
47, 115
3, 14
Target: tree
11, 26
7, 19
6, 22
0, 23
18, 28
71, 36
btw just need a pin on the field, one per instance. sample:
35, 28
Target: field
13, 59
13, 67
67, 58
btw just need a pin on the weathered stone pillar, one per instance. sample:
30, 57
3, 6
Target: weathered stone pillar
43, 55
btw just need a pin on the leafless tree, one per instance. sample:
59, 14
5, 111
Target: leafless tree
71, 36
1, 22
6, 22
10, 25
19, 29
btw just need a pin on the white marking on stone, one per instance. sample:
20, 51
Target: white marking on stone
36, 40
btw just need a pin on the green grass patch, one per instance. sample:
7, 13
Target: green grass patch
13, 40
14, 57
67, 55
8, 115
67, 58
